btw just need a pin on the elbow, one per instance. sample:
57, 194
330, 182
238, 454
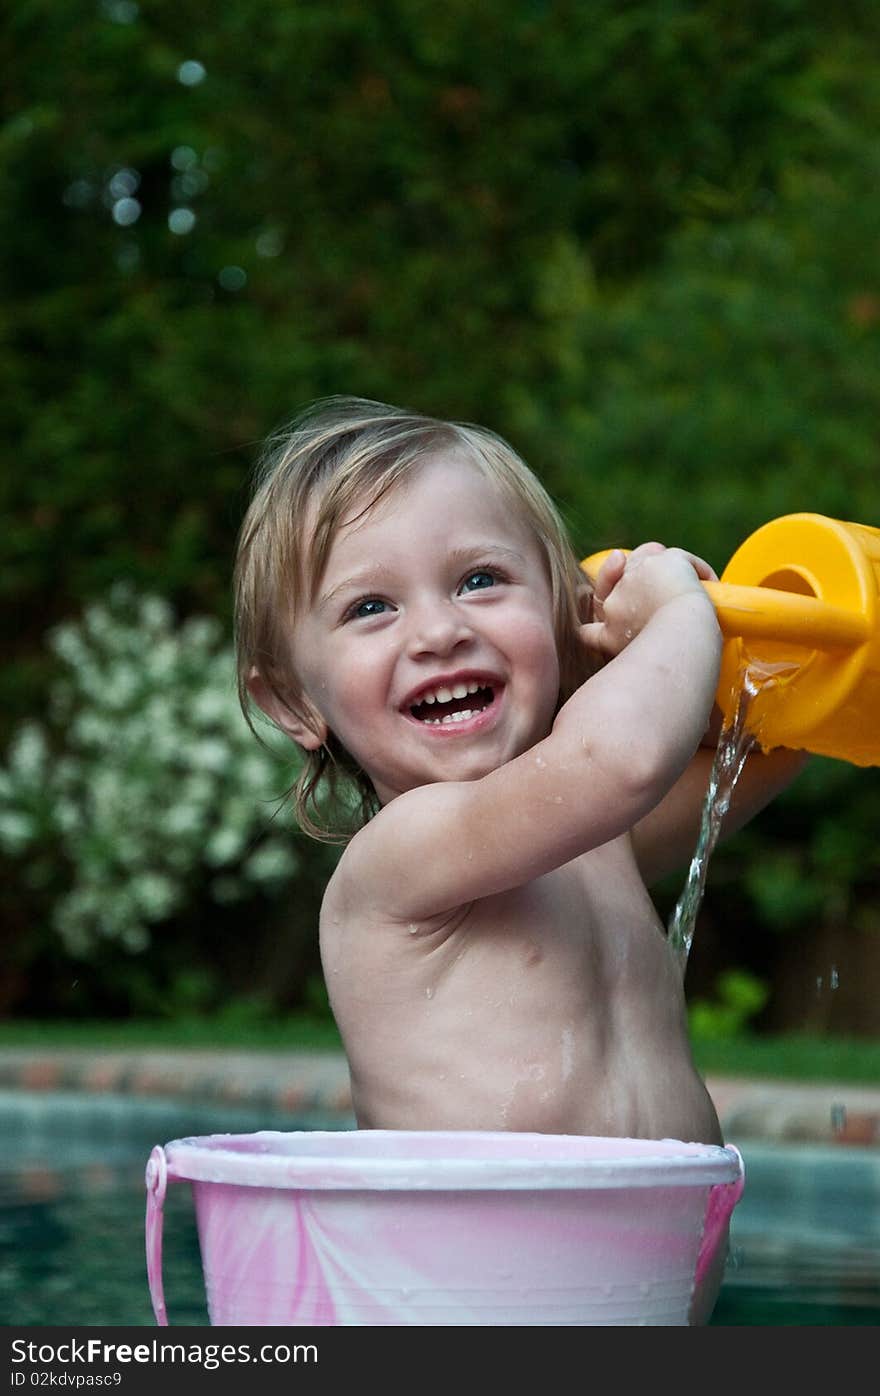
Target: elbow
650, 770
637, 773
651, 763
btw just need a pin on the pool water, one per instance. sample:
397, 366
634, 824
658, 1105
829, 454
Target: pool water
805, 1240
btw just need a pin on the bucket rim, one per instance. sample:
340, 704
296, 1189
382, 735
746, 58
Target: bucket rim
492, 1161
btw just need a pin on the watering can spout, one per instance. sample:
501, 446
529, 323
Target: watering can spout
799, 601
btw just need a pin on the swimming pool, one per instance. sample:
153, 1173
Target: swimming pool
805, 1242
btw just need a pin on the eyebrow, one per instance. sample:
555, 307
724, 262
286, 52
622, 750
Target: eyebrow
365, 578
369, 576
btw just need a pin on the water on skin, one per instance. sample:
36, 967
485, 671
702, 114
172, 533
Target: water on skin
734, 745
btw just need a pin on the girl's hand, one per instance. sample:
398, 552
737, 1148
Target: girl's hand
629, 589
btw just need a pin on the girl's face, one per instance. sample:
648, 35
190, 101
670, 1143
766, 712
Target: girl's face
429, 649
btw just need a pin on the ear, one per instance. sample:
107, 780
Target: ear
307, 728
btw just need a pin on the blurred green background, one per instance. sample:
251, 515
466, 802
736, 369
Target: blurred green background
638, 239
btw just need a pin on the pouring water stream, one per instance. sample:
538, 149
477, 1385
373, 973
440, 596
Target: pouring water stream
734, 745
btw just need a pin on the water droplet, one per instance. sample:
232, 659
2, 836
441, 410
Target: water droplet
429, 992
838, 1118
834, 977
819, 983
412, 928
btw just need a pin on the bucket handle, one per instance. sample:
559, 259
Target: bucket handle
722, 1200
157, 1182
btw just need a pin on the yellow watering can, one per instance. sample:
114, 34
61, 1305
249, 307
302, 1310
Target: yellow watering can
799, 602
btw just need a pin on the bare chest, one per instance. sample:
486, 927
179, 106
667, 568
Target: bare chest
561, 938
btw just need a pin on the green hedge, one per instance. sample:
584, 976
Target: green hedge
636, 238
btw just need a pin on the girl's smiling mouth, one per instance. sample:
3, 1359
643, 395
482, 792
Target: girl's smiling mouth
461, 704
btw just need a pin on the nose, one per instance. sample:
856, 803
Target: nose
437, 626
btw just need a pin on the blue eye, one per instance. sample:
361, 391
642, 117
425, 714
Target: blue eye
363, 610
478, 581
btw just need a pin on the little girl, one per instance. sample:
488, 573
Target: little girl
526, 754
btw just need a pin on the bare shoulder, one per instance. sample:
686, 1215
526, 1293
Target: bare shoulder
384, 874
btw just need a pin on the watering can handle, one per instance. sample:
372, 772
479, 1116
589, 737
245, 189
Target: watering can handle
755, 613
157, 1181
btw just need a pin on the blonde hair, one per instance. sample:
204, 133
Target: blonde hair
341, 453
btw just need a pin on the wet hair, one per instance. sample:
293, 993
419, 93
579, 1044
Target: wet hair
339, 457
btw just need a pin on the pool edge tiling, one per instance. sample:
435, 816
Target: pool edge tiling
295, 1082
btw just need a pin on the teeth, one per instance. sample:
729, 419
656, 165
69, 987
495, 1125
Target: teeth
451, 717
445, 695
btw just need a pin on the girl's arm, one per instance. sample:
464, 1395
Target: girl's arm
665, 839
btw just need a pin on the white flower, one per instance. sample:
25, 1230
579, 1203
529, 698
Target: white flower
181, 819
161, 661
224, 845
16, 830
143, 776
154, 895
209, 755
209, 706
274, 862
120, 687
201, 633
67, 643
28, 754
155, 613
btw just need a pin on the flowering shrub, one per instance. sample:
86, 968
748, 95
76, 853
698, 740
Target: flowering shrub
144, 786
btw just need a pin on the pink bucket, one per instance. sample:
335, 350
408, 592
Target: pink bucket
402, 1227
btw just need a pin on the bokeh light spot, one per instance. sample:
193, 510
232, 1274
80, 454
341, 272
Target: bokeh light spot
125, 212
181, 220
232, 278
191, 73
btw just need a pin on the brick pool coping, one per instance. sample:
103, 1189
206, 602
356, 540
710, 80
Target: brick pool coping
298, 1082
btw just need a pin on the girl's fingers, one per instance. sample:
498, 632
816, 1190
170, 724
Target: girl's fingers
609, 574
595, 636
646, 550
700, 566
